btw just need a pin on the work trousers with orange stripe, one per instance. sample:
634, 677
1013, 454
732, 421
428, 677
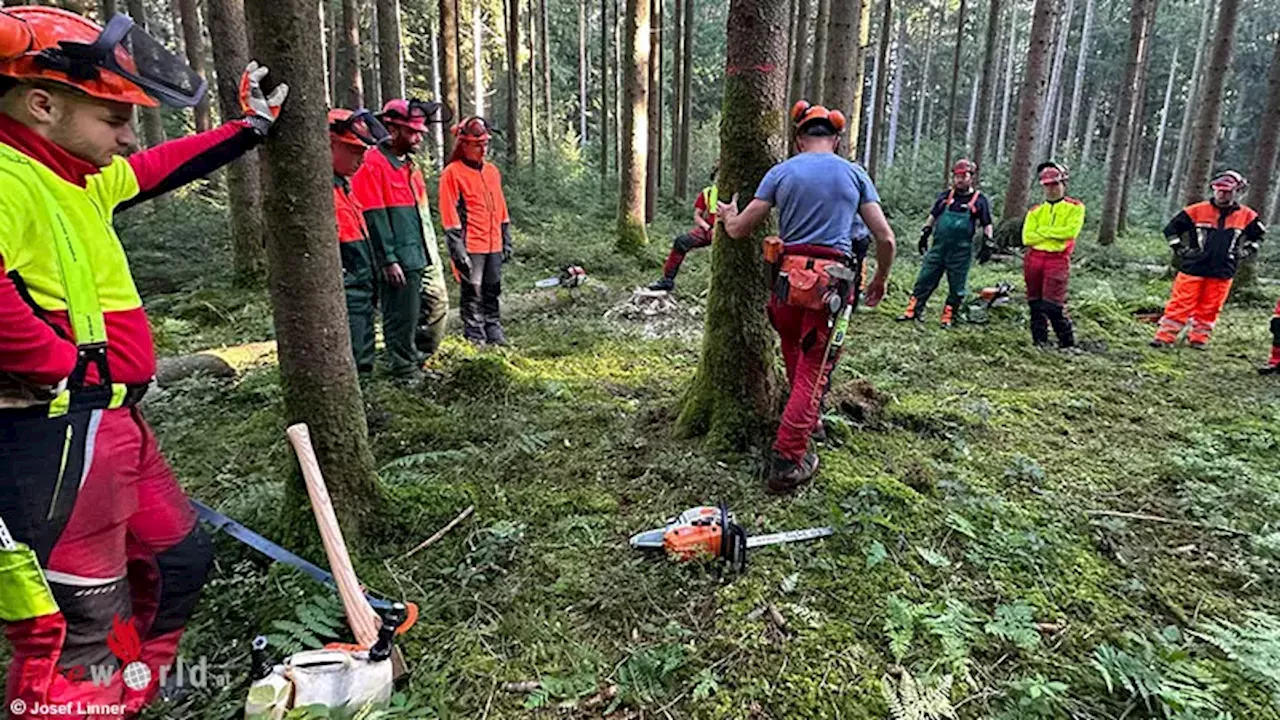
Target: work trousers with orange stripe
1195, 304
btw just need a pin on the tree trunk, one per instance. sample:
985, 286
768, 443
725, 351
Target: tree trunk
175, 14
922, 94
859, 70
1164, 120
369, 59
686, 103
882, 87
1077, 90
951, 102
1044, 135
582, 74
1090, 128
677, 91
821, 35
653, 161
193, 30
1174, 191
635, 127
390, 58
437, 130
532, 17
544, 51
349, 83
971, 118
1140, 15
1262, 169
1008, 85
1204, 134
840, 66
986, 88
895, 104
1033, 82
477, 60
331, 48
605, 137
244, 190
802, 59
513, 84
866, 126
451, 84
152, 123
107, 9
317, 371
733, 398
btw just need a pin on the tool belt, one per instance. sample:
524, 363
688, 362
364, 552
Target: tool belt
22, 403
811, 282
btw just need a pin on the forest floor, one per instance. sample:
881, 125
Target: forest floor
964, 477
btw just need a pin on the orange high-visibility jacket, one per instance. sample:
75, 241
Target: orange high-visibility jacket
1219, 236
471, 200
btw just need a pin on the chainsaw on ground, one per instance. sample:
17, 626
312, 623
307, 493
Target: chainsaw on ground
707, 531
571, 277
994, 296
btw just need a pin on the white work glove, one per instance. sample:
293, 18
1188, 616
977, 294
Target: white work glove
259, 109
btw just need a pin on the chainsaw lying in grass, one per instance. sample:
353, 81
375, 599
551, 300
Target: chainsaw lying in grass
705, 531
571, 277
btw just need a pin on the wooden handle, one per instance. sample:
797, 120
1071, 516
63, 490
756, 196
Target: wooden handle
361, 617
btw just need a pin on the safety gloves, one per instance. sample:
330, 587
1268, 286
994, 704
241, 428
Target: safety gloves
925, 232
458, 252
987, 250
260, 109
506, 242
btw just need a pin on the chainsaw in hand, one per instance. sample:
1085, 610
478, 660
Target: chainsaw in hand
707, 531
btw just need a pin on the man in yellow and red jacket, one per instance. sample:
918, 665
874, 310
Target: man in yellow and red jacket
1209, 239
391, 189
82, 483
1049, 232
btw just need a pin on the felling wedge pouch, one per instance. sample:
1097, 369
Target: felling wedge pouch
804, 281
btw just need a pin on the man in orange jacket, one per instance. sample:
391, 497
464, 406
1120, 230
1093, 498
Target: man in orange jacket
116, 558
1209, 239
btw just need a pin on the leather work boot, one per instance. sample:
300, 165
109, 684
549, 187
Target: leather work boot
788, 475
947, 319
666, 284
913, 311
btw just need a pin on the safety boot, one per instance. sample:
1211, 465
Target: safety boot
788, 475
1273, 365
666, 284
1039, 324
914, 311
947, 319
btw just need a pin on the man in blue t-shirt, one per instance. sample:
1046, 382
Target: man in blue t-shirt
828, 210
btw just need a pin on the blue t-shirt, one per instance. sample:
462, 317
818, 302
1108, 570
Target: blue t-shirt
818, 196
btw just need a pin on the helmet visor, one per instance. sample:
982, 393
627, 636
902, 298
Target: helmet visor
430, 111
364, 126
128, 51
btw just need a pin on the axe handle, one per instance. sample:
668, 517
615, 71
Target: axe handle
361, 617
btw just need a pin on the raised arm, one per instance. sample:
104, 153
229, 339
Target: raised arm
171, 165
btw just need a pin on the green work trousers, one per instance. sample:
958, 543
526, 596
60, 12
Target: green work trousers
400, 307
433, 312
952, 253
360, 320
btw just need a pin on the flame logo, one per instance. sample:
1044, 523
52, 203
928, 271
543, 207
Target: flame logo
123, 640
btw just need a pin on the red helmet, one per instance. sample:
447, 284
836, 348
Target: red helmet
472, 130
1052, 173
120, 62
413, 114
1229, 180
802, 114
963, 166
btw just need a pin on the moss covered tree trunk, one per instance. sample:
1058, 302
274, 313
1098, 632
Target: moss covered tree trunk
152, 123
244, 183
733, 399
316, 366
450, 89
1204, 133
635, 127
1029, 108
193, 32
391, 67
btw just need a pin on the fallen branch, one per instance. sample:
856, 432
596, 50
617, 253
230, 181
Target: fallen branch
1169, 521
441, 532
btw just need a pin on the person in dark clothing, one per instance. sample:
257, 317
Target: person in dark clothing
956, 216
1209, 239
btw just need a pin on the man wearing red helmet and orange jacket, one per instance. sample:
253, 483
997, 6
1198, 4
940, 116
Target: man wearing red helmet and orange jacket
1049, 232
828, 209
1209, 239
111, 559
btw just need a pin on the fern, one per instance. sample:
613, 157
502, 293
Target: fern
1254, 647
954, 628
900, 625
317, 620
910, 700
1015, 624
1162, 676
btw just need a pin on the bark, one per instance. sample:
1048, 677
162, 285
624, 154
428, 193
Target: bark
512, 131
175, 14
106, 10
533, 82
1077, 90
605, 82
369, 60
791, 35
922, 95
895, 104
677, 92
1044, 134
986, 87
821, 34
841, 65
477, 60
349, 84
193, 30
450, 82
686, 103
802, 59
635, 127
733, 398
1090, 128
1204, 133
582, 74
317, 371
152, 123
1173, 192
244, 190
1262, 168
544, 52
859, 65
1141, 14
1164, 121
955, 81
331, 48
390, 55
1029, 107
437, 129
882, 87
653, 160
1008, 84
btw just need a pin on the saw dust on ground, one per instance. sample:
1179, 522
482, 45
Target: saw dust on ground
658, 315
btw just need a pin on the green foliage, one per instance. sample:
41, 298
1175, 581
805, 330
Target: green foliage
648, 673
911, 700
317, 620
1016, 625
1161, 675
1038, 697
1254, 647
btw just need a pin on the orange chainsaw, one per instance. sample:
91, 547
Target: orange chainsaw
707, 531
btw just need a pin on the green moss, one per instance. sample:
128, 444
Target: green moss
632, 236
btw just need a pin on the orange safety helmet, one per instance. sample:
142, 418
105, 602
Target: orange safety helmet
55, 45
472, 130
1052, 173
356, 127
803, 113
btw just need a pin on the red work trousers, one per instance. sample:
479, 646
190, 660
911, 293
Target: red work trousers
1195, 301
1274, 361
803, 334
118, 541
1047, 275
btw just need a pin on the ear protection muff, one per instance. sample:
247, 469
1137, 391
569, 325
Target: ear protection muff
838, 120
799, 109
